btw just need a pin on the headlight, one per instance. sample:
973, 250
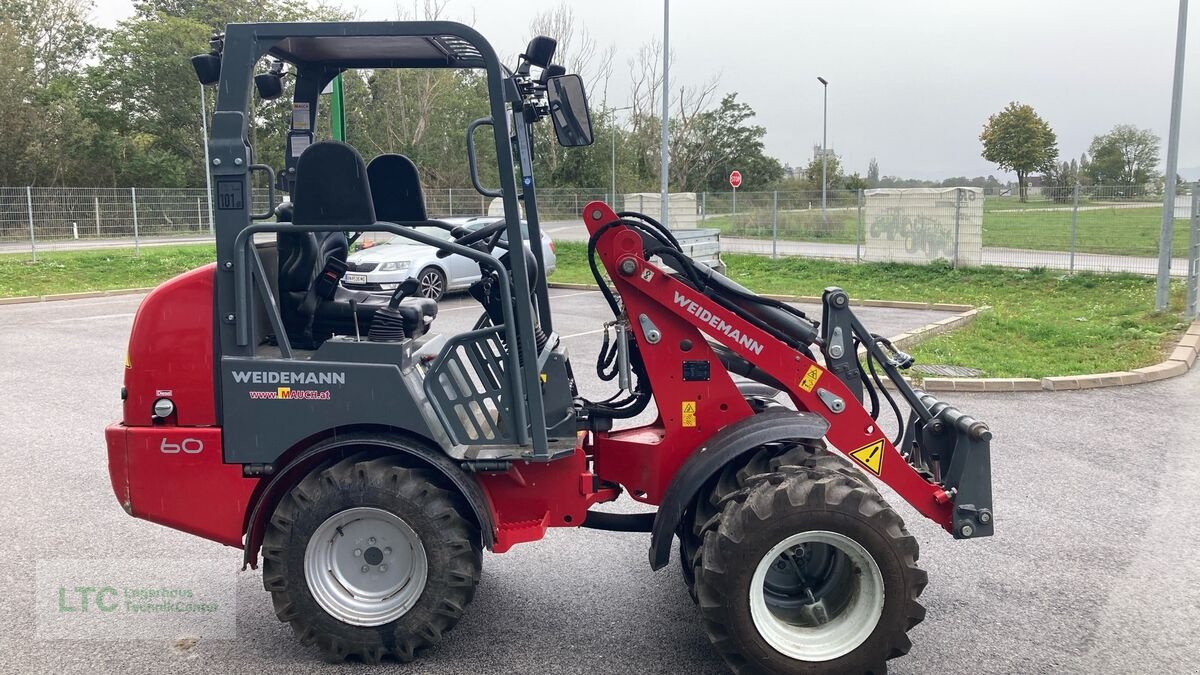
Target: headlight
394, 266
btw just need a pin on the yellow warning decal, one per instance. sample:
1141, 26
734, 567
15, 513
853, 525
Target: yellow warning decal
689, 414
870, 456
810, 378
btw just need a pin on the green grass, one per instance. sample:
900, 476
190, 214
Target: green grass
1042, 323
1119, 231
1007, 223
801, 225
77, 271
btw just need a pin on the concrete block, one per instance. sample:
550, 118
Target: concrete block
939, 384
1026, 384
1162, 371
1191, 341
20, 300
1185, 355
1060, 383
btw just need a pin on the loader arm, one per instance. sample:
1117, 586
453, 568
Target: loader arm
656, 299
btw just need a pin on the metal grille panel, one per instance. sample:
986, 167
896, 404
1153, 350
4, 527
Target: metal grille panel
468, 385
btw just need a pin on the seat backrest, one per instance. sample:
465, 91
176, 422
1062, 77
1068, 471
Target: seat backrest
331, 189
396, 189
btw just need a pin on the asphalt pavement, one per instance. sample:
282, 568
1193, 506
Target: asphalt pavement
1092, 569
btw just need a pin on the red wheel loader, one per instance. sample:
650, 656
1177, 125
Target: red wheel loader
368, 461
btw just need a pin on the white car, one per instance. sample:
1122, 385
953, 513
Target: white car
381, 267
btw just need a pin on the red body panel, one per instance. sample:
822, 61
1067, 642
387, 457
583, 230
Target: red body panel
171, 350
173, 472
531, 497
681, 313
175, 476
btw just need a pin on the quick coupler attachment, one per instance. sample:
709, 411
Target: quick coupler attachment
961, 446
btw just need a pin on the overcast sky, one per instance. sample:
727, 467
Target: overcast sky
911, 83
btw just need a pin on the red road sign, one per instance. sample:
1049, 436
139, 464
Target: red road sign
735, 178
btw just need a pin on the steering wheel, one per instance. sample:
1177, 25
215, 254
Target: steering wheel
465, 237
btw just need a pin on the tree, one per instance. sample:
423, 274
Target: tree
873, 173
1124, 156
57, 33
714, 143
1018, 140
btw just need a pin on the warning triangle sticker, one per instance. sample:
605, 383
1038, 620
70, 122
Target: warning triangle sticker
870, 456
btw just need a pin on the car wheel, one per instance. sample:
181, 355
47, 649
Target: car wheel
432, 283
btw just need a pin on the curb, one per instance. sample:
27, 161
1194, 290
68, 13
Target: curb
1181, 360
20, 300
814, 300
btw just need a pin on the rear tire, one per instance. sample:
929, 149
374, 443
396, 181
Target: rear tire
420, 550
432, 283
808, 571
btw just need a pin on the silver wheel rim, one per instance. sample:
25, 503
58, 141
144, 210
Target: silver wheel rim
365, 566
431, 285
816, 596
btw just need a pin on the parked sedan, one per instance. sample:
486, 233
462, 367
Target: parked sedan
381, 267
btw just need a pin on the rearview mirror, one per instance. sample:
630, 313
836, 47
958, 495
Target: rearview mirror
569, 110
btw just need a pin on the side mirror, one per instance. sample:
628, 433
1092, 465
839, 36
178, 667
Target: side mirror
207, 67
540, 51
569, 110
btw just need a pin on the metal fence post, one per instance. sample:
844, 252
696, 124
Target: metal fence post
858, 228
775, 224
1190, 308
97, 205
450, 196
32, 238
133, 198
1074, 227
703, 206
957, 212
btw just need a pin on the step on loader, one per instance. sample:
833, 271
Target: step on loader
368, 461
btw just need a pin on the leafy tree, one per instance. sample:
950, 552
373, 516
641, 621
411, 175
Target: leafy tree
855, 182
1018, 140
717, 142
873, 173
1124, 156
57, 34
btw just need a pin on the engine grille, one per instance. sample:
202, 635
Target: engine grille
360, 267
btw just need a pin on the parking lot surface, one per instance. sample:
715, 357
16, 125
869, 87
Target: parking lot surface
1093, 567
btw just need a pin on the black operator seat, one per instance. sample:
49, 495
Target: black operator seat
331, 189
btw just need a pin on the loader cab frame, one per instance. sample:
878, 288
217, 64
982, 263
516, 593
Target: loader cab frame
316, 53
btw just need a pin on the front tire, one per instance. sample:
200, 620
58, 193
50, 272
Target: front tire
432, 283
368, 559
738, 475
808, 571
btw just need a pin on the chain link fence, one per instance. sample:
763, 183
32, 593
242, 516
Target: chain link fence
1076, 229
1085, 228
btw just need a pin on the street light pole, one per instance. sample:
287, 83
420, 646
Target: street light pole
666, 133
614, 150
824, 141
1163, 290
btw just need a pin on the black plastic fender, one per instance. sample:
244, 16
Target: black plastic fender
383, 442
723, 447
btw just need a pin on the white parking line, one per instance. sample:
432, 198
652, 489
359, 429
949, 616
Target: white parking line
586, 332
89, 318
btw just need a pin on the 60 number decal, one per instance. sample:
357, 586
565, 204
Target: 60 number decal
189, 446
